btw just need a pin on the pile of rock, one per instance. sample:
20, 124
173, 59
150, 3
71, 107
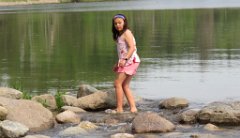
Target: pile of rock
19, 116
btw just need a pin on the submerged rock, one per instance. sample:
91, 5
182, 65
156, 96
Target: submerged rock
173, 103
30, 113
10, 93
36, 136
10, 129
87, 125
122, 135
151, 122
72, 131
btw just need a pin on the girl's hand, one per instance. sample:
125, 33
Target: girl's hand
122, 62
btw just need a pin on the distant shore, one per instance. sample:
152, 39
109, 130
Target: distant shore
29, 2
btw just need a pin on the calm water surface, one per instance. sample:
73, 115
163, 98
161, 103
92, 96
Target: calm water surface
191, 53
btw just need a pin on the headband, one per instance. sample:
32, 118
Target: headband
119, 16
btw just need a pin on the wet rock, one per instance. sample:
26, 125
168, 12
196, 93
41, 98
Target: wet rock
122, 135
47, 100
85, 90
173, 103
10, 93
72, 131
151, 122
68, 117
211, 127
10, 129
36, 136
197, 135
220, 113
74, 109
111, 121
110, 111
27, 112
148, 136
3, 113
87, 125
69, 100
189, 116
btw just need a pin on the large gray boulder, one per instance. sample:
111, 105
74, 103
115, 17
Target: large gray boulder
10, 93
3, 113
10, 129
97, 100
221, 113
151, 122
27, 112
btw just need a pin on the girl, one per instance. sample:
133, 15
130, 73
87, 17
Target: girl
128, 61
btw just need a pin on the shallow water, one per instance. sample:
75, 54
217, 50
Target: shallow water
187, 49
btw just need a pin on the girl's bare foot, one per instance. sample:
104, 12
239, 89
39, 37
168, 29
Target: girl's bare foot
119, 110
133, 110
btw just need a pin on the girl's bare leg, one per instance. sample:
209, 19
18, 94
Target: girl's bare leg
120, 77
129, 94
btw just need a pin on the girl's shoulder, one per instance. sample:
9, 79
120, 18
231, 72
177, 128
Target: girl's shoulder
128, 33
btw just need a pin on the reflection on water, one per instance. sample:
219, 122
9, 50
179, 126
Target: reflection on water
187, 53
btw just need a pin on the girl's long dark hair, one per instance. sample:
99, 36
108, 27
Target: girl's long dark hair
115, 32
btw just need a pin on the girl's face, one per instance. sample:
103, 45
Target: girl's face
119, 23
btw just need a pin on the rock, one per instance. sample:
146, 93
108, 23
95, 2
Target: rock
111, 121
151, 122
10, 93
12, 129
197, 135
72, 131
220, 113
68, 117
110, 111
47, 100
85, 90
173, 103
97, 100
30, 113
3, 113
122, 135
69, 100
87, 125
36, 136
189, 116
74, 109
211, 127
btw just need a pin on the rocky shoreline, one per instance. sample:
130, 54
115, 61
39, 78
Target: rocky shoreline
89, 113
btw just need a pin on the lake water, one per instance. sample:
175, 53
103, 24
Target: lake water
188, 49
